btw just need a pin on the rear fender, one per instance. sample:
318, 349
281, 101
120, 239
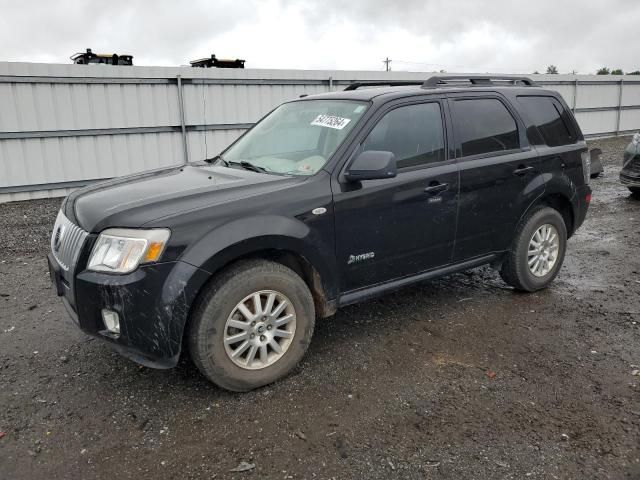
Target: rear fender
555, 185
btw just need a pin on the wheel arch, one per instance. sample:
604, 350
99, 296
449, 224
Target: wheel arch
290, 241
314, 266
563, 205
324, 298
321, 288
560, 194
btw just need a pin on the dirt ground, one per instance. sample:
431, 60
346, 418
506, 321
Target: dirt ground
459, 378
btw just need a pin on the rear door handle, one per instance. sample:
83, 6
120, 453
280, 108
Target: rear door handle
439, 187
522, 170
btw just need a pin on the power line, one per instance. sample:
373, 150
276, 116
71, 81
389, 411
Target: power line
459, 66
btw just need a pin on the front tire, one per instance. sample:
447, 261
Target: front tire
537, 251
252, 325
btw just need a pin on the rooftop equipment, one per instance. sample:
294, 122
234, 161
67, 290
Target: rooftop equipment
103, 58
214, 62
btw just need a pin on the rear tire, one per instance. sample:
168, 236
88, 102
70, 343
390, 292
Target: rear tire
232, 342
528, 267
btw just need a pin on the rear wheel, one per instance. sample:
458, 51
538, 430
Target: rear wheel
252, 325
537, 251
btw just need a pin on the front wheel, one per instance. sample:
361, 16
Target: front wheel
252, 325
537, 251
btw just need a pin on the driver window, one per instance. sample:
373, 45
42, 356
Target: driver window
413, 133
484, 125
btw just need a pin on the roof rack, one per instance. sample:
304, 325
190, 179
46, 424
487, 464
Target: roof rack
476, 80
356, 85
452, 81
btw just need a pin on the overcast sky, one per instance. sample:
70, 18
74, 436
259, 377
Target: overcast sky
418, 35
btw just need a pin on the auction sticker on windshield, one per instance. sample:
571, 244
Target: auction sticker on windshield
331, 121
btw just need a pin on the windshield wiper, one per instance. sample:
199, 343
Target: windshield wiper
216, 158
250, 166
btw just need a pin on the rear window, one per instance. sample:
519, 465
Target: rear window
484, 125
549, 116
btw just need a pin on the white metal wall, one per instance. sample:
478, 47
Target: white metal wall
62, 126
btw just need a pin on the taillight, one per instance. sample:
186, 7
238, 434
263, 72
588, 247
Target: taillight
586, 166
587, 197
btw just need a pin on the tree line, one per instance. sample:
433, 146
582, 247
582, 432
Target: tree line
553, 70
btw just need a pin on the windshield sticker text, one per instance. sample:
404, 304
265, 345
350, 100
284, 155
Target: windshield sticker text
331, 121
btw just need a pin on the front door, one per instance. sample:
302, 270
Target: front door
392, 228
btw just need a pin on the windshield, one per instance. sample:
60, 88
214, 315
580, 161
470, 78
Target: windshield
297, 138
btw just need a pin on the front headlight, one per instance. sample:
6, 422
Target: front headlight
121, 250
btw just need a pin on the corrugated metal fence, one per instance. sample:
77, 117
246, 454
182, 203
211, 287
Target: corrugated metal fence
62, 126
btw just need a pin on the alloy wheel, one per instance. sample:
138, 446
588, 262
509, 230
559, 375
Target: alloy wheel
260, 329
542, 253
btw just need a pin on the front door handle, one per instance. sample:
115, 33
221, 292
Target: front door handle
522, 170
437, 188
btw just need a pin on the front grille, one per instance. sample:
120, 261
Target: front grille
66, 241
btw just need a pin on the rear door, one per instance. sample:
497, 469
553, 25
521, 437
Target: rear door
497, 172
554, 135
396, 227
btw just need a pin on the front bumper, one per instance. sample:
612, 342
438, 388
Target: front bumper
629, 178
153, 304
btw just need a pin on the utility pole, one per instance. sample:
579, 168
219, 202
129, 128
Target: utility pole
387, 62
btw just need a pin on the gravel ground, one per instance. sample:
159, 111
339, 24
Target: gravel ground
459, 378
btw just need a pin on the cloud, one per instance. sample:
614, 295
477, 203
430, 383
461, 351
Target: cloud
503, 34
158, 32
419, 35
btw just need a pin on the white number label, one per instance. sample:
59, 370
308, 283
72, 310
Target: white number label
331, 121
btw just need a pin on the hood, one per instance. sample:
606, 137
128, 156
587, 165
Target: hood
135, 200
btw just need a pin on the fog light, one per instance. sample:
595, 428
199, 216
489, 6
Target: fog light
111, 321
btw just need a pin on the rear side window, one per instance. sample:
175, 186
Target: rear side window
413, 133
548, 115
484, 125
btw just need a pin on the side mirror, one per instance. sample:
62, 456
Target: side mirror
372, 165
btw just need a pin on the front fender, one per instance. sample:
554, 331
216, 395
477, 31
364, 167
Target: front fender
244, 236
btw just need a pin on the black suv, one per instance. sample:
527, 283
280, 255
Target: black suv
329, 200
